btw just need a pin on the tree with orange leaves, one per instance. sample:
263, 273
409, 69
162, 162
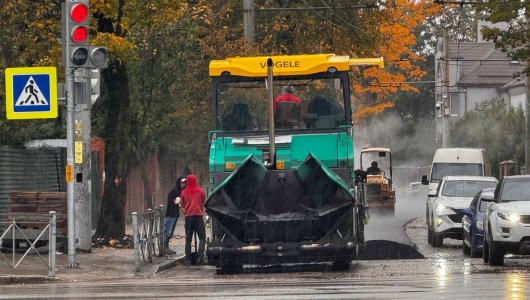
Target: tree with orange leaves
386, 30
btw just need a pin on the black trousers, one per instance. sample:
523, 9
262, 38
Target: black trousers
195, 224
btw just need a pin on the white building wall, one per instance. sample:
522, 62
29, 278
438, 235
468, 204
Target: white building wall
519, 100
476, 95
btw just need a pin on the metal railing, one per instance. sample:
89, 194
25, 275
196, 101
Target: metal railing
13, 227
148, 235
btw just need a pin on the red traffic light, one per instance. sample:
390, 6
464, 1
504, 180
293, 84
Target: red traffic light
79, 12
79, 34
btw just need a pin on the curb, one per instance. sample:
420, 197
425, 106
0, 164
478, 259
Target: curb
168, 264
12, 279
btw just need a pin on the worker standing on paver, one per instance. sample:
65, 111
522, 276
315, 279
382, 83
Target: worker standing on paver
192, 201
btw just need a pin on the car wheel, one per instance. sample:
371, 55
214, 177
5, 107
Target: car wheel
465, 249
437, 239
429, 234
496, 254
474, 253
485, 251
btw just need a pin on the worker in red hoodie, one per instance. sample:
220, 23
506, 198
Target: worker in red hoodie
192, 201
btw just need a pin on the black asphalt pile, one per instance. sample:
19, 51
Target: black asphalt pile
383, 249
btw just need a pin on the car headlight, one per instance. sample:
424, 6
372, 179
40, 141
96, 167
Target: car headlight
512, 217
440, 206
480, 225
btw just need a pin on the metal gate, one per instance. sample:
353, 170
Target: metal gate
148, 234
14, 233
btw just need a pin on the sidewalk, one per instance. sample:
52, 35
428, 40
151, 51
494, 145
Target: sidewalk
97, 265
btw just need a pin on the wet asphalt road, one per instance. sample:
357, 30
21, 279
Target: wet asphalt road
386, 227
445, 273
423, 279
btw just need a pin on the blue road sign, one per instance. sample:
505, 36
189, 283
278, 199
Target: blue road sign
31, 93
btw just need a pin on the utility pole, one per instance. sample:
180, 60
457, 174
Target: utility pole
527, 112
80, 59
445, 109
248, 21
527, 104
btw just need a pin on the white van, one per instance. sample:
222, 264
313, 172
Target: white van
456, 161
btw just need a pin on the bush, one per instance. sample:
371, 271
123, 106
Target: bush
495, 127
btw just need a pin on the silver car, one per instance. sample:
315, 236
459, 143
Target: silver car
445, 205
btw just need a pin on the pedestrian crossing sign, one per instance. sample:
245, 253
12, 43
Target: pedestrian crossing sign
31, 93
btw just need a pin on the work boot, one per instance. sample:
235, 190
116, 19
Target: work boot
169, 252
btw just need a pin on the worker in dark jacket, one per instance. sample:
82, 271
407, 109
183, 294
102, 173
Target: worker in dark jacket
373, 169
192, 201
172, 213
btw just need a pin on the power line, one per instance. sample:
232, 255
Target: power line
340, 18
315, 8
480, 60
322, 16
458, 2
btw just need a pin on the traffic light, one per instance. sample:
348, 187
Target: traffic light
75, 33
97, 57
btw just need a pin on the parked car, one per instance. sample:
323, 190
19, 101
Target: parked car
472, 223
416, 188
445, 205
455, 162
507, 220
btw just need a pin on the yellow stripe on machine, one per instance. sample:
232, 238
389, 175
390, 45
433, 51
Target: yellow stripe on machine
288, 65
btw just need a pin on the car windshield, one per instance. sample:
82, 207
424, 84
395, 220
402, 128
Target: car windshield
299, 104
439, 170
465, 188
516, 190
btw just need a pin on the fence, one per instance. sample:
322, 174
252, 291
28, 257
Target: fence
35, 236
148, 235
30, 170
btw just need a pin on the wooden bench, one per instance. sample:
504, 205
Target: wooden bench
31, 213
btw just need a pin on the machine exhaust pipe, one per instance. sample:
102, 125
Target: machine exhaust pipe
272, 147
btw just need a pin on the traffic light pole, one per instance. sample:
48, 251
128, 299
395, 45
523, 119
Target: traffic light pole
69, 79
82, 163
79, 59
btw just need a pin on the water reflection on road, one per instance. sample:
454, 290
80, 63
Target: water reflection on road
373, 279
515, 286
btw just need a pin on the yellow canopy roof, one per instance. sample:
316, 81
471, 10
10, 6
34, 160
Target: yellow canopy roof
286, 65
375, 149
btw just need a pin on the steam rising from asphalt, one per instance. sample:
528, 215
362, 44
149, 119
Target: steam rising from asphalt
410, 145
412, 150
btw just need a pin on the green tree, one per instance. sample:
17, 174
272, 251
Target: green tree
495, 127
29, 32
515, 40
